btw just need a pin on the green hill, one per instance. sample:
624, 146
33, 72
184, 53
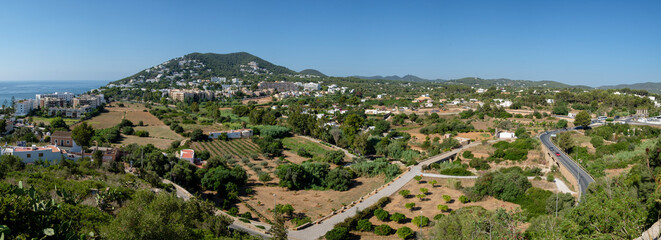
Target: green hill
312, 72
503, 82
207, 65
653, 87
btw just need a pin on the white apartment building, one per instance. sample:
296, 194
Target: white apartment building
23, 107
31, 154
67, 96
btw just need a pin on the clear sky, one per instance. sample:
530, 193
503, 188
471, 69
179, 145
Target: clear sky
576, 42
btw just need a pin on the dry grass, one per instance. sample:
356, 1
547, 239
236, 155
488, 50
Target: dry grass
157, 142
132, 112
312, 203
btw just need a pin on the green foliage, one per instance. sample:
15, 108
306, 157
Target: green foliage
292, 176
398, 217
383, 230
479, 164
164, 216
404, 233
142, 133
335, 157
286, 209
467, 154
447, 198
271, 131
534, 201
561, 123
364, 225
463, 199
270, 146
582, 119
338, 233
421, 221
196, 135
469, 223
381, 214
559, 202
224, 180
58, 123
339, 179
405, 193
443, 208
82, 134
505, 186
409, 206
365, 168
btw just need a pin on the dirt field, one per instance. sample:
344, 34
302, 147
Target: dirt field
314, 204
132, 112
157, 142
427, 207
163, 132
261, 100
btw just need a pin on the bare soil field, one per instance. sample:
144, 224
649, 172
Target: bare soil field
428, 206
311, 203
157, 142
132, 112
260, 100
163, 132
611, 173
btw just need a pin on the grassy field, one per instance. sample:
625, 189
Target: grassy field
68, 121
157, 142
294, 143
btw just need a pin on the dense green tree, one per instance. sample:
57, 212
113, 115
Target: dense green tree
197, 135
582, 119
339, 179
82, 134
292, 176
58, 123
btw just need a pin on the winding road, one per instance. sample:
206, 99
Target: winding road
584, 179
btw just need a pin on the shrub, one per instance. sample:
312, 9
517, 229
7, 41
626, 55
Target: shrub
456, 171
463, 199
364, 225
381, 214
397, 217
447, 198
467, 154
433, 183
383, 230
404, 232
420, 196
142, 133
404, 193
264, 177
420, 221
443, 208
338, 233
418, 178
550, 178
410, 206
128, 130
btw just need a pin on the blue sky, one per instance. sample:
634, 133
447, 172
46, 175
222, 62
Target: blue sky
591, 42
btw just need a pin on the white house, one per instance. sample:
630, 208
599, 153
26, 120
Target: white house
31, 154
23, 107
232, 134
506, 135
187, 154
572, 115
550, 101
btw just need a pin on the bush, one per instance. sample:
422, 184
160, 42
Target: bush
439, 216
443, 208
463, 199
338, 233
420, 221
381, 214
456, 171
364, 225
142, 133
404, 193
467, 154
128, 130
383, 230
404, 232
409, 206
447, 198
550, 177
397, 217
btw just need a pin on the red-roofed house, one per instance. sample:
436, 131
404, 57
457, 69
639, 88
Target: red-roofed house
187, 154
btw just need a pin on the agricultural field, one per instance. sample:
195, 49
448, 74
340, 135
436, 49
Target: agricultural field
114, 115
427, 206
46, 121
238, 148
316, 149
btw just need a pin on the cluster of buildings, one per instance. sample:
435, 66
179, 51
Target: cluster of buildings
61, 146
232, 134
60, 103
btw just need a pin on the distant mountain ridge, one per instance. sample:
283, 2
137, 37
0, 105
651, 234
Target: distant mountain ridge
312, 72
653, 87
410, 78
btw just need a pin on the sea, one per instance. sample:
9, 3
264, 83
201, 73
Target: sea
28, 89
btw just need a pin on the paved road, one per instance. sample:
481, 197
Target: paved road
318, 230
584, 179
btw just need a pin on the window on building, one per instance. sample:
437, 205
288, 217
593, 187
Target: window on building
41, 154
29, 156
67, 142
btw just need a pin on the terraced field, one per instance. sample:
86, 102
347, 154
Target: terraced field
238, 147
